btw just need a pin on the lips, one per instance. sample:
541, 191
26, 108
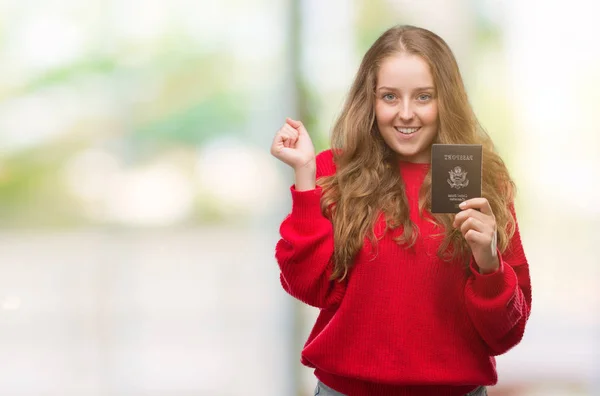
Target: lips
407, 130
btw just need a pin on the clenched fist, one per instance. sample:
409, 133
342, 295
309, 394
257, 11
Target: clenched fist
292, 145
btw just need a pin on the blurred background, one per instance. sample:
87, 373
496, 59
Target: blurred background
139, 204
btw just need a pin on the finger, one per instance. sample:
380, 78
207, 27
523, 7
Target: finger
292, 131
289, 138
278, 145
278, 142
293, 123
298, 125
467, 213
287, 131
282, 142
474, 224
477, 238
477, 203
287, 141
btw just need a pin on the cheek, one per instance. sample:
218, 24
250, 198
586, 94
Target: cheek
384, 114
430, 115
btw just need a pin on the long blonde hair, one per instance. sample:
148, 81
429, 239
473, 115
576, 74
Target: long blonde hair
367, 181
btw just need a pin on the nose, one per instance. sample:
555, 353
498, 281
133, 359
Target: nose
405, 112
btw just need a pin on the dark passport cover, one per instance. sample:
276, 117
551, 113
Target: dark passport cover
455, 175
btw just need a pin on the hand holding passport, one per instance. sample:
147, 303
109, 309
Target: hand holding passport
455, 175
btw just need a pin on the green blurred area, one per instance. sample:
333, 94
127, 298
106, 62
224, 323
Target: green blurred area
172, 94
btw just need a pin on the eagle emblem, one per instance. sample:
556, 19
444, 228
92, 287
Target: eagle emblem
458, 178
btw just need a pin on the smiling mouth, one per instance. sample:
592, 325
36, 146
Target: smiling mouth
407, 131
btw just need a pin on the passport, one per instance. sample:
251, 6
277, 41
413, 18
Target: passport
455, 175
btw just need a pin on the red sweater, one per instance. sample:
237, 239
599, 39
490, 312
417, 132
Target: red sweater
406, 322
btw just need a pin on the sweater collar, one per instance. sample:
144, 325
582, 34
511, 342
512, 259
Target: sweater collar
414, 166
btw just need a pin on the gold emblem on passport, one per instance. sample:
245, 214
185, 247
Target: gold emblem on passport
455, 175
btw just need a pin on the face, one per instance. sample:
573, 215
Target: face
406, 106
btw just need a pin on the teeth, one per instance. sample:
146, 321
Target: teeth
407, 131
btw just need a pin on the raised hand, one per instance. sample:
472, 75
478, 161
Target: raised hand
293, 146
478, 227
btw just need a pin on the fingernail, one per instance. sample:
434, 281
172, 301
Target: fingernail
462, 205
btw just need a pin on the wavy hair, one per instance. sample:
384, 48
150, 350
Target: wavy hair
367, 181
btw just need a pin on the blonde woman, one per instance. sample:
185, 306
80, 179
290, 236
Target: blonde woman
411, 303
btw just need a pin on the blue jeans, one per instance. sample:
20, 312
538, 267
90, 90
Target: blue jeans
324, 390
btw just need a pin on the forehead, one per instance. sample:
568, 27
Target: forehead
404, 71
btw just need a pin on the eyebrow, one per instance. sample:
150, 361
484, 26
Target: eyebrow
416, 89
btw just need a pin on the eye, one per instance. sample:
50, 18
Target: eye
424, 97
389, 97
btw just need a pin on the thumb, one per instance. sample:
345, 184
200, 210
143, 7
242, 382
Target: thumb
296, 125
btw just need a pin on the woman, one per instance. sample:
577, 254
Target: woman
411, 303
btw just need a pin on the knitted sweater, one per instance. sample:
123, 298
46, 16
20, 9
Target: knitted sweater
403, 322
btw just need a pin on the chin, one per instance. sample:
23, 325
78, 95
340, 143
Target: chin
406, 154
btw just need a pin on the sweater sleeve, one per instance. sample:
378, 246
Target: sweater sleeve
499, 303
304, 252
